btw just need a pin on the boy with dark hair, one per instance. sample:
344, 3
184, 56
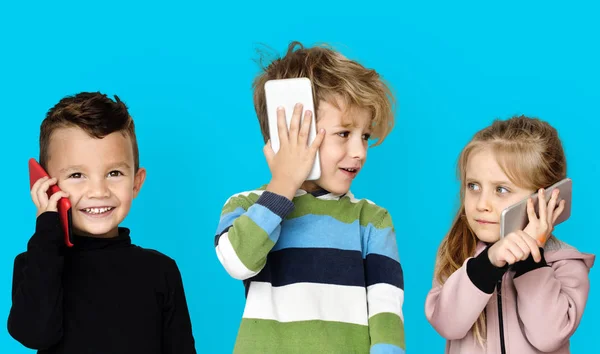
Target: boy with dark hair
103, 295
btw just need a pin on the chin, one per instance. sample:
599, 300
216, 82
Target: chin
337, 189
97, 230
488, 237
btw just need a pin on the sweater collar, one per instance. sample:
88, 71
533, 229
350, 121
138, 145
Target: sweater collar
324, 194
85, 243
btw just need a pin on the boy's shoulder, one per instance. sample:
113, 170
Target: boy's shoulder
371, 212
153, 256
368, 207
243, 199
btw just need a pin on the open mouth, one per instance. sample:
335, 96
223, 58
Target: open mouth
350, 172
97, 211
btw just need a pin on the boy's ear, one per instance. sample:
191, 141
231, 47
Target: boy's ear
138, 181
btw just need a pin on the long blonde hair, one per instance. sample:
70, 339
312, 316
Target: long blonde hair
531, 155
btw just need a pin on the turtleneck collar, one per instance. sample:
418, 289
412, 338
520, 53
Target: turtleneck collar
85, 243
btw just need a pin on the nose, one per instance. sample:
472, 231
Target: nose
98, 189
483, 202
357, 149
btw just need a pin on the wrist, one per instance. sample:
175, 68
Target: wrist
283, 188
483, 273
529, 264
490, 255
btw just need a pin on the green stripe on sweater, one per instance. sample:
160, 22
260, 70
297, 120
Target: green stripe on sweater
322, 337
343, 210
250, 242
387, 328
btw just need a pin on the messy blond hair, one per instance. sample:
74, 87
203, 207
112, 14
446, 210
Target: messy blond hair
334, 78
531, 155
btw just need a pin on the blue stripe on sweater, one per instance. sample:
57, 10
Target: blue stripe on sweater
381, 241
384, 348
323, 231
261, 215
227, 219
265, 219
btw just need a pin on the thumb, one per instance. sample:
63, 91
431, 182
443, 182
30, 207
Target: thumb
268, 151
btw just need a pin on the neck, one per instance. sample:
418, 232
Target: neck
94, 242
112, 233
310, 186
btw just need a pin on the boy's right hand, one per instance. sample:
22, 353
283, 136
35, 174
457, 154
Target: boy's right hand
291, 165
40, 198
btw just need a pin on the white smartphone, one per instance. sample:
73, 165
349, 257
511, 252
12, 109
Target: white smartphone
286, 93
515, 217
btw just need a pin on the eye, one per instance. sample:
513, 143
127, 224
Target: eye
75, 175
344, 134
472, 186
502, 190
367, 136
115, 173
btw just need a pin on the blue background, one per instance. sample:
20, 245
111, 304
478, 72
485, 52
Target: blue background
185, 70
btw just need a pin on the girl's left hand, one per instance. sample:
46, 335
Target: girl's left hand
540, 228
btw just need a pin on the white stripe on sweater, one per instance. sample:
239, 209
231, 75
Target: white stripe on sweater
384, 297
230, 260
307, 301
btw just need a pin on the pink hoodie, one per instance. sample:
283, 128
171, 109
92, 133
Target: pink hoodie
542, 303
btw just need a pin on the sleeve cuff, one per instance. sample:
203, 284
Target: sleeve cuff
48, 229
483, 273
278, 204
529, 264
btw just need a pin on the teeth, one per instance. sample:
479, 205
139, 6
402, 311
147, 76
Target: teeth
97, 210
350, 169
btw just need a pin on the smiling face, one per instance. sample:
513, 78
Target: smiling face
344, 150
99, 176
488, 191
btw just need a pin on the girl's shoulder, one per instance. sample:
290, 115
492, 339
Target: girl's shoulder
558, 250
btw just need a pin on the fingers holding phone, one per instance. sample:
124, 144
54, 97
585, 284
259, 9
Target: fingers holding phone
39, 195
515, 247
549, 211
292, 163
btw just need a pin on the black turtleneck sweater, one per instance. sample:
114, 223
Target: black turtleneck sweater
102, 296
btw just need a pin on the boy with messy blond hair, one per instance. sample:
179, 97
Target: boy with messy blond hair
320, 267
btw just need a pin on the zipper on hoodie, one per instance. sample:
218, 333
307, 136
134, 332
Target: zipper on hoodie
500, 321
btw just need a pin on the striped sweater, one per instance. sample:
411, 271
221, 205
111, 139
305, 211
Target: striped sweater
322, 273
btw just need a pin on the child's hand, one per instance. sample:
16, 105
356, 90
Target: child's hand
516, 246
40, 197
292, 163
541, 228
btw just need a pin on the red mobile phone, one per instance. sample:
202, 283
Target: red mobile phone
64, 204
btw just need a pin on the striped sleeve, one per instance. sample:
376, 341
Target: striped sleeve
248, 231
385, 288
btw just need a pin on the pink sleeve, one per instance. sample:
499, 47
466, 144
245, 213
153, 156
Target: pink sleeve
453, 308
550, 302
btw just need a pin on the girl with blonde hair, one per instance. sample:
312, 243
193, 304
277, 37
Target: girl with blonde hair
523, 293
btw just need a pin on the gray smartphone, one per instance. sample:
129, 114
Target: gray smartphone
515, 217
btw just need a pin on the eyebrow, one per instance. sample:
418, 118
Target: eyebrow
349, 125
122, 164
344, 125
470, 179
71, 168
